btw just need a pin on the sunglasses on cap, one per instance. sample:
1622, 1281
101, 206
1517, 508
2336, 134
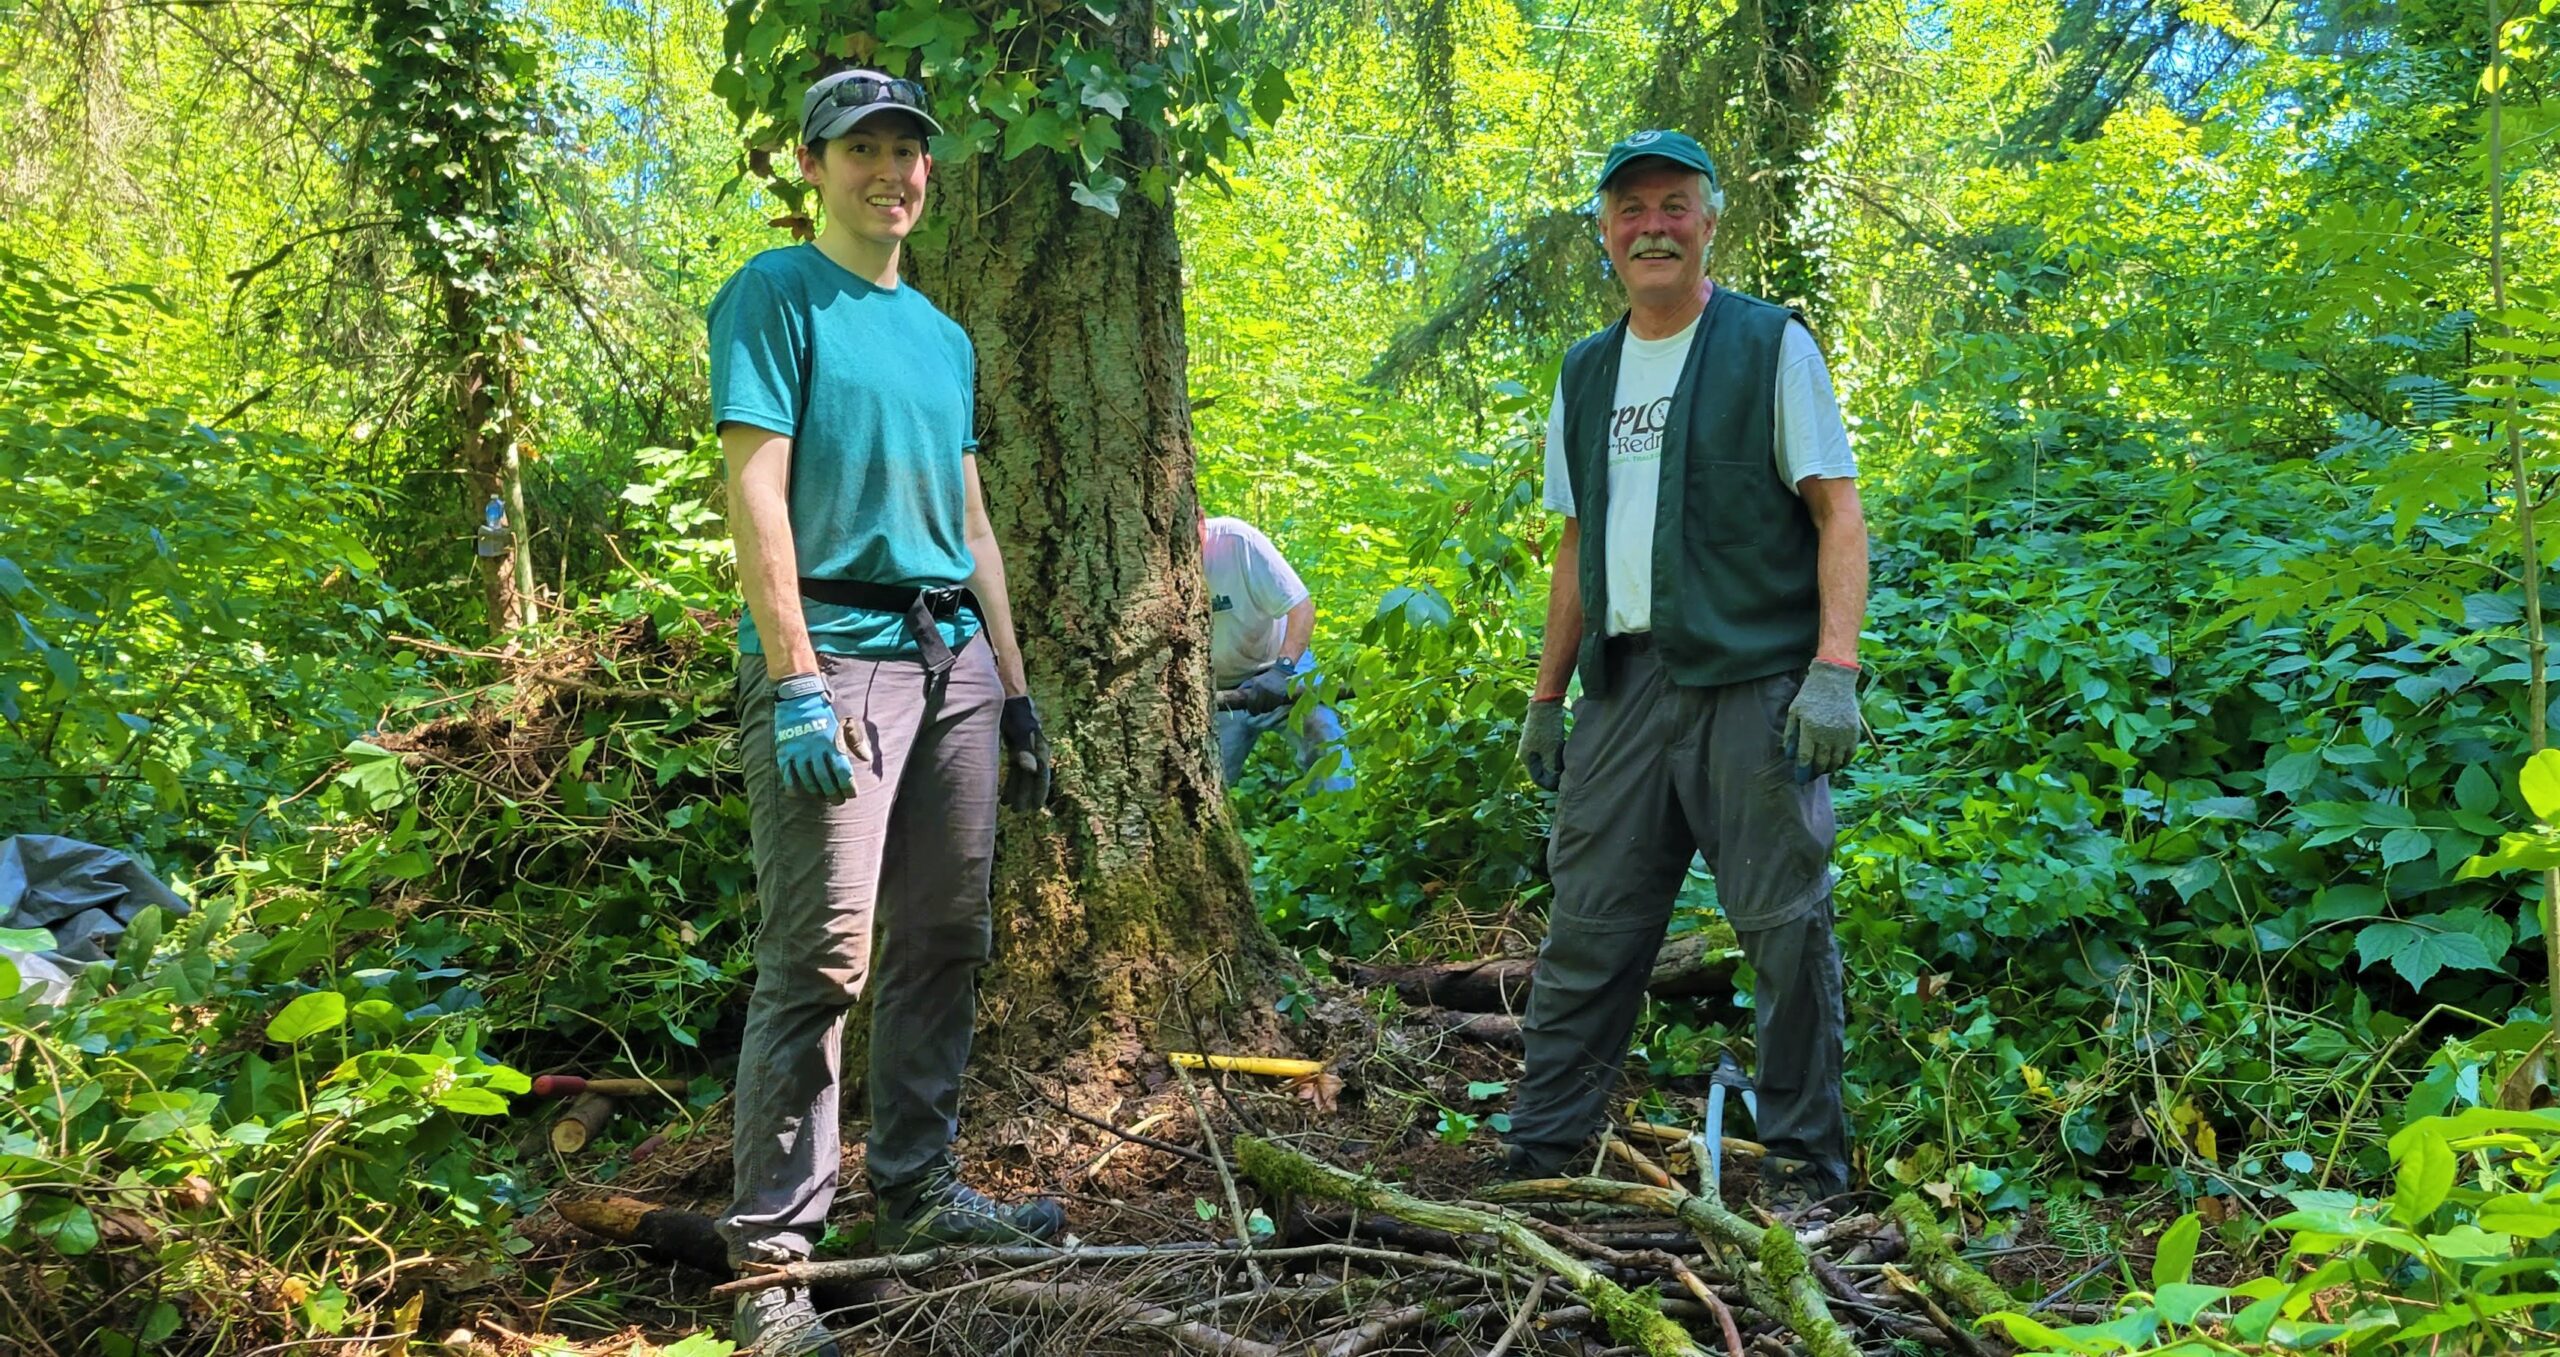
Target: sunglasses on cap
859, 88
835, 104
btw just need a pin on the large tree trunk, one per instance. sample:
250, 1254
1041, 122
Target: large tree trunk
1126, 909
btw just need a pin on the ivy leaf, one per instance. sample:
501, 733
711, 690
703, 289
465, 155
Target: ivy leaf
1271, 94
1110, 101
1042, 128
1102, 195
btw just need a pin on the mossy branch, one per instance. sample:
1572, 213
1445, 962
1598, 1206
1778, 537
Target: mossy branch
1783, 1286
1631, 1318
1926, 1242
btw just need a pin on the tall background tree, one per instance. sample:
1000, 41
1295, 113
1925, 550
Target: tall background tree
453, 123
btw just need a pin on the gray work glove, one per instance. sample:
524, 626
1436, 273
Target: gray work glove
1268, 689
1542, 742
1822, 723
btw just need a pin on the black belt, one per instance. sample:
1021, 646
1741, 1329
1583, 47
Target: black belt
923, 609
1627, 643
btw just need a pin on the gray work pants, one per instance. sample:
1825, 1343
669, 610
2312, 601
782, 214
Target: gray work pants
904, 863
1654, 773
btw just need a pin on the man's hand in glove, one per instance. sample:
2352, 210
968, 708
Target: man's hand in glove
814, 750
1269, 689
1542, 741
1026, 783
1822, 723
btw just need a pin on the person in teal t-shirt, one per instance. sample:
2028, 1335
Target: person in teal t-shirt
872, 719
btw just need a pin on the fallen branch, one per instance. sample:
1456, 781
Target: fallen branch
1645, 1168
1691, 966
1936, 1261
1377, 1333
1089, 1301
1784, 1286
1956, 1333
1673, 1135
1631, 1319
1226, 1180
765, 1275
1131, 1135
1519, 1319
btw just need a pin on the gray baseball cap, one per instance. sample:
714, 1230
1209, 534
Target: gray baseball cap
838, 104
1677, 147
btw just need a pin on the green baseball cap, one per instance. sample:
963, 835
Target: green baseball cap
1677, 147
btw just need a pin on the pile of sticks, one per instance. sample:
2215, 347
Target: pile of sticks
1353, 1267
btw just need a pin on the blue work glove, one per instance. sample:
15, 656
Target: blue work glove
1026, 785
1822, 723
813, 749
1542, 742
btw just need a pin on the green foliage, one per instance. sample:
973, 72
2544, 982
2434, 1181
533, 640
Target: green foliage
1442, 812
453, 106
2458, 1257
251, 1082
1007, 84
184, 610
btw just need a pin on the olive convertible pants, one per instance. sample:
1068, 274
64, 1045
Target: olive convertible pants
1654, 773
908, 857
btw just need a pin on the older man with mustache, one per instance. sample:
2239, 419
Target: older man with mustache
1708, 589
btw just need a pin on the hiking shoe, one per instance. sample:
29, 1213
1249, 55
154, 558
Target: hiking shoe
780, 1321
937, 1208
1521, 1163
1792, 1188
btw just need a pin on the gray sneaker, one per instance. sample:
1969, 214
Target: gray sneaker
936, 1208
779, 1321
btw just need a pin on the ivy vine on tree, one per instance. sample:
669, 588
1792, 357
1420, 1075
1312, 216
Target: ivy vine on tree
454, 113
1007, 80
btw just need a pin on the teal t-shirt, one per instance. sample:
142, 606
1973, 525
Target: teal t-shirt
875, 388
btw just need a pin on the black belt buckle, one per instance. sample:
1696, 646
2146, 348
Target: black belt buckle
942, 601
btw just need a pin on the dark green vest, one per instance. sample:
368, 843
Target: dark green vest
1736, 592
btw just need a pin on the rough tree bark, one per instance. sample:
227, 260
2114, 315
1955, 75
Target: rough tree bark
1127, 907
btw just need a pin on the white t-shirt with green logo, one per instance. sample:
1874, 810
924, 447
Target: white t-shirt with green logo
1811, 439
1251, 590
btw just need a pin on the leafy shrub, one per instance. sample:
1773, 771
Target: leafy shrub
2458, 1258
188, 617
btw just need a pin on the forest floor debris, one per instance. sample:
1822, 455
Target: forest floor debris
1364, 1231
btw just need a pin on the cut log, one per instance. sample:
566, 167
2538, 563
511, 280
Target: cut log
690, 1239
583, 1122
1696, 965
1493, 1029
685, 1237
